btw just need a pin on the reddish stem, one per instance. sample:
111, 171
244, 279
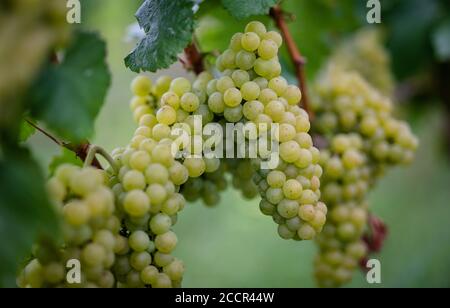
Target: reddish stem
80, 150
297, 59
374, 238
194, 58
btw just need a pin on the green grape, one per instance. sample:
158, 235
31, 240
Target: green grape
232, 97
276, 179
267, 49
136, 203
162, 281
293, 95
279, 85
240, 77
180, 86
263, 83
250, 41
256, 27
141, 86
178, 173
166, 242
252, 109
235, 42
216, 103
93, 254
233, 115
250, 91
195, 166
228, 59
224, 83
149, 275
245, 60
139, 241
156, 173
167, 115
274, 36
288, 208
175, 270
156, 193
275, 109
76, 213
290, 151
292, 189
139, 160
132, 180
189, 102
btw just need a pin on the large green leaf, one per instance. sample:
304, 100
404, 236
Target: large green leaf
168, 25
241, 9
25, 211
68, 96
441, 41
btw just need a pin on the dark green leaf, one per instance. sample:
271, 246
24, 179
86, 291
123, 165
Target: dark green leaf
25, 211
68, 96
410, 24
441, 41
168, 25
241, 9
26, 131
65, 157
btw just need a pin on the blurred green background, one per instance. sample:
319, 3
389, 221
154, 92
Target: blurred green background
233, 245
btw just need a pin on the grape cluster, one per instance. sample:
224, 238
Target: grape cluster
346, 181
252, 91
90, 232
365, 54
361, 140
156, 172
345, 102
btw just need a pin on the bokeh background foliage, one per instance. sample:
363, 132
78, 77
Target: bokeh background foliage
233, 245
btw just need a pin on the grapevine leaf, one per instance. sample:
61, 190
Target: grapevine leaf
241, 9
168, 26
441, 41
26, 131
65, 157
68, 96
25, 211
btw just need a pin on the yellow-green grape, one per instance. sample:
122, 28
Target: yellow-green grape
180, 86
256, 27
273, 36
250, 91
232, 97
141, 86
250, 41
267, 49
189, 102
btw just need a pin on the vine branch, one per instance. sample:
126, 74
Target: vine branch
80, 150
297, 59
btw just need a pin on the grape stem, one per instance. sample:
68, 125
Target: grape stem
80, 150
94, 150
297, 59
374, 238
194, 58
